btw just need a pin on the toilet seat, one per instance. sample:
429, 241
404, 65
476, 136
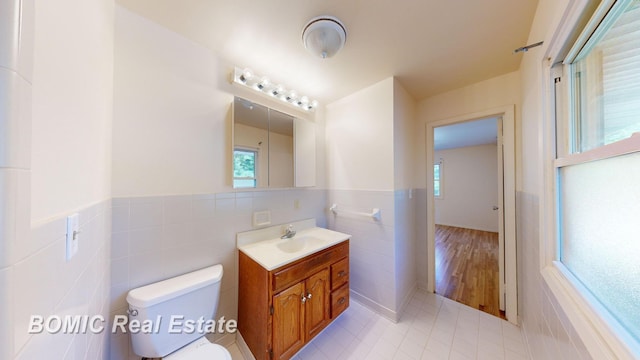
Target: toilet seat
200, 349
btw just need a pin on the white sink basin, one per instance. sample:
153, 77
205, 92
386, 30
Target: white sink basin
275, 252
299, 243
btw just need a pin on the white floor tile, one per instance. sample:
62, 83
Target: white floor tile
437, 328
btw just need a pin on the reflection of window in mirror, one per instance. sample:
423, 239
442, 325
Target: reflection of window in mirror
245, 164
284, 148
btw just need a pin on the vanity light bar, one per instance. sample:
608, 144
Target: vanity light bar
247, 78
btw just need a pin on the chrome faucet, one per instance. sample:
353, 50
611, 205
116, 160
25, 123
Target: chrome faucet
289, 233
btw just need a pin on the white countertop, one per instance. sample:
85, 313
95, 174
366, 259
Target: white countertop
276, 252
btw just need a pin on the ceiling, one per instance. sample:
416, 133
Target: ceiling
470, 133
430, 46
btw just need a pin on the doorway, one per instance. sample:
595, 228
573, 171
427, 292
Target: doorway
506, 258
468, 236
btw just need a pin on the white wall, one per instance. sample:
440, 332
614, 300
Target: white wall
469, 186
359, 139
72, 106
59, 163
174, 209
370, 147
172, 113
491, 93
404, 156
171, 127
405, 149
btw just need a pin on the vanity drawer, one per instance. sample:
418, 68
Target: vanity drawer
339, 273
291, 274
339, 300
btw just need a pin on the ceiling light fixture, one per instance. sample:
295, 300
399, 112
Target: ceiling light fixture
264, 86
324, 36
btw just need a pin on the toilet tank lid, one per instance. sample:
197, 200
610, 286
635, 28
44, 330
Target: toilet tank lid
161, 291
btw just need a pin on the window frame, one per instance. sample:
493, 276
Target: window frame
601, 334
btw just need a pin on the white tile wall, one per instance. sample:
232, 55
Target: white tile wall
406, 245
44, 283
377, 277
16, 36
9, 215
6, 313
420, 196
547, 330
155, 238
16, 62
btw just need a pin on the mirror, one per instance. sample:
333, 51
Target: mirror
266, 145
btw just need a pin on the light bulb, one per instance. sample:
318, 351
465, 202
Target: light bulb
246, 75
314, 104
277, 90
264, 82
292, 96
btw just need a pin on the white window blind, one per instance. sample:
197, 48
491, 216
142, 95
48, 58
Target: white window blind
607, 80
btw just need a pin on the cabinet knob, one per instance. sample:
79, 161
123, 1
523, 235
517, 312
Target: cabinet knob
342, 273
341, 301
309, 296
303, 299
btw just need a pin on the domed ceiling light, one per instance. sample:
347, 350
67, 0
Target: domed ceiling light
324, 36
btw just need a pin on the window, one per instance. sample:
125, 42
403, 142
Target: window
598, 169
606, 80
245, 168
437, 180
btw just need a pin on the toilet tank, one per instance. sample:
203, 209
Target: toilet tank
190, 297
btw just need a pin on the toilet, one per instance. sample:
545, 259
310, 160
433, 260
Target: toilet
167, 307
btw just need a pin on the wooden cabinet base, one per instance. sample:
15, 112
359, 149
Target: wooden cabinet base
280, 311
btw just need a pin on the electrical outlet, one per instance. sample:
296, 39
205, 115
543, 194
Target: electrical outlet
73, 235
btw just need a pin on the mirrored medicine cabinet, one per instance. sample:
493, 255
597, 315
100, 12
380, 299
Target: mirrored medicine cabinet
271, 149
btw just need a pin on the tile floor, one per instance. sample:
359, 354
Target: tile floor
432, 327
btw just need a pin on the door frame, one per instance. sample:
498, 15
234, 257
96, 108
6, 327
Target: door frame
507, 113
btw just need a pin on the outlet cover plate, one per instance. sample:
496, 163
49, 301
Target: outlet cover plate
73, 234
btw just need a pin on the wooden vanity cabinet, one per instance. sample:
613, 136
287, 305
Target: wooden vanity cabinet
281, 310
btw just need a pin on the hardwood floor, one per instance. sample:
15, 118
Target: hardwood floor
467, 267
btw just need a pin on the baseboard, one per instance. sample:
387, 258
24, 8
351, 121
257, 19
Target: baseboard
375, 307
244, 348
422, 286
226, 340
407, 298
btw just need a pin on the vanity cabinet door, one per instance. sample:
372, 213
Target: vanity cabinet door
288, 321
317, 306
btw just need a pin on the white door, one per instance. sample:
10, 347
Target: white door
500, 207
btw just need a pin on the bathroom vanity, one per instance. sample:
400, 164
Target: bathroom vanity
289, 292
